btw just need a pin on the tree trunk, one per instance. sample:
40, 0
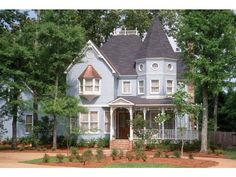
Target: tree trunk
35, 115
54, 145
204, 120
14, 123
182, 148
215, 112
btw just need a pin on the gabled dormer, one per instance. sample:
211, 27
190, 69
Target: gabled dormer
90, 83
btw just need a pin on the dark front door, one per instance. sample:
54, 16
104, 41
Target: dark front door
122, 125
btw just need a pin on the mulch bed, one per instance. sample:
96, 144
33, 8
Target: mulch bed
170, 161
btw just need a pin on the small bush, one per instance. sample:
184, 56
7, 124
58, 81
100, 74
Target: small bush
139, 144
82, 143
114, 154
39, 149
190, 156
71, 158
73, 151
60, 157
213, 148
219, 151
140, 154
100, 143
46, 158
166, 155
87, 156
53, 149
129, 155
157, 154
99, 156
44, 149
177, 154
91, 143
144, 157
79, 158
121, 154
22, 148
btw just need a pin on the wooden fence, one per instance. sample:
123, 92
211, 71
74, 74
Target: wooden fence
226, 139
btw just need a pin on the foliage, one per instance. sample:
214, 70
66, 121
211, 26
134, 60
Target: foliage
60, 157
140, 154
71, 158
87, 156
166, 155
139, 144
121, 154
73, 151
190, 156
102, 142
46, 158
99, 155
151, 144
114, 154
22, 148
129, 155
157, 154
177, 154
219, 151
161, 117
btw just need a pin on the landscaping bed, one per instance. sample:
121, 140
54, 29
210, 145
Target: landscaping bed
167, 162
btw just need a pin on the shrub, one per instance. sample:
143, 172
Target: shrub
190, 156
53, 149
100, 143
79, 158
157, 154
166, 155
39, 149
71, 158
219, 151
73, 151
144, 157
81, 143
22, 148
44, 149
46, 158
91, 143
114, 154
87, 156
177, 154
151, 144
60, 157
129, 155
61, 141
213, 148
140, 154
139, 144
99, 156
121, 154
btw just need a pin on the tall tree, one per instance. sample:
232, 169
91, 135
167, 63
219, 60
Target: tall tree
14, 57
203, 38
60, 39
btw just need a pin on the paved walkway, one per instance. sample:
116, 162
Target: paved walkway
12, 160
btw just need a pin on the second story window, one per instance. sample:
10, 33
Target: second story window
28, 124
126, 87
155, 86
88, 85
141, 87
169, 86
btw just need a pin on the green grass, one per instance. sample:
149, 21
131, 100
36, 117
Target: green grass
140, 165
52, 159
230, 153
5, 147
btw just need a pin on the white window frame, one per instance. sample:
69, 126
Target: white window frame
141, 93
151, 86
172, 91
154, 69
139, 67
170, 69
93, 87
105, 132
32, 124
122, 87
89, 122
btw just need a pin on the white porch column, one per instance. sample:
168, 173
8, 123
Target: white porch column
144, 117
162, 124
111, 123
131, 128
175, 125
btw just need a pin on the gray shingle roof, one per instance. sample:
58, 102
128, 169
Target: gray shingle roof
156, 43
141, 101
121, 51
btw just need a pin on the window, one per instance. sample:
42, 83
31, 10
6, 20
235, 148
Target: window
155, 86
90, 86
170, 67
126, 87
141, 87
169, 87
28, 124
155, 66
151, 119
107, 122
140, 68
73, 124
89, 121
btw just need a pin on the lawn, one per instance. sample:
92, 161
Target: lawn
230, 153
52, 159
5, 147
140, 165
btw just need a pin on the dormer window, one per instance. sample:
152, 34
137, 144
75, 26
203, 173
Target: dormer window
90, 83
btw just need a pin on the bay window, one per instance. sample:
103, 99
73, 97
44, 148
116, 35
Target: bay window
141, 87
169, 87
155, 86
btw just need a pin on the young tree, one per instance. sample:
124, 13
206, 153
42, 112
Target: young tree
183, 107
203, 38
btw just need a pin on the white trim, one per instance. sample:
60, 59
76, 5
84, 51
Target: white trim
89, 122
128, 102
32, 124
159, 58
88, 45
172, 91
141, 64
154, 69
161, 105
122, 87
105, 132
96, 105
160, 73
151, 86
143, 87
170, 69
93, 92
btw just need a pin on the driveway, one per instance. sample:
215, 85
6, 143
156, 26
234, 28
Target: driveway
12, 160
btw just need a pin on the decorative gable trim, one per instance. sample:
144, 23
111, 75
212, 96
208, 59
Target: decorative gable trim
120, 102
90, 45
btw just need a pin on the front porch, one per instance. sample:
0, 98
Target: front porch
123, 111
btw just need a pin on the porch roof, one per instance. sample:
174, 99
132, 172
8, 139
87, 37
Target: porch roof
138, 101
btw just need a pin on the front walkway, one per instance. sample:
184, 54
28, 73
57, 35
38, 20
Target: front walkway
12, 160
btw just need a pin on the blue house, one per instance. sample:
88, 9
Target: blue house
125, 77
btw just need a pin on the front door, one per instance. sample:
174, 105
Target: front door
123, 125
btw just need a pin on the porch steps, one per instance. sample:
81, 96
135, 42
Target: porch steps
122, 144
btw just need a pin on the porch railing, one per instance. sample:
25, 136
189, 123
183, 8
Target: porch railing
171, 134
